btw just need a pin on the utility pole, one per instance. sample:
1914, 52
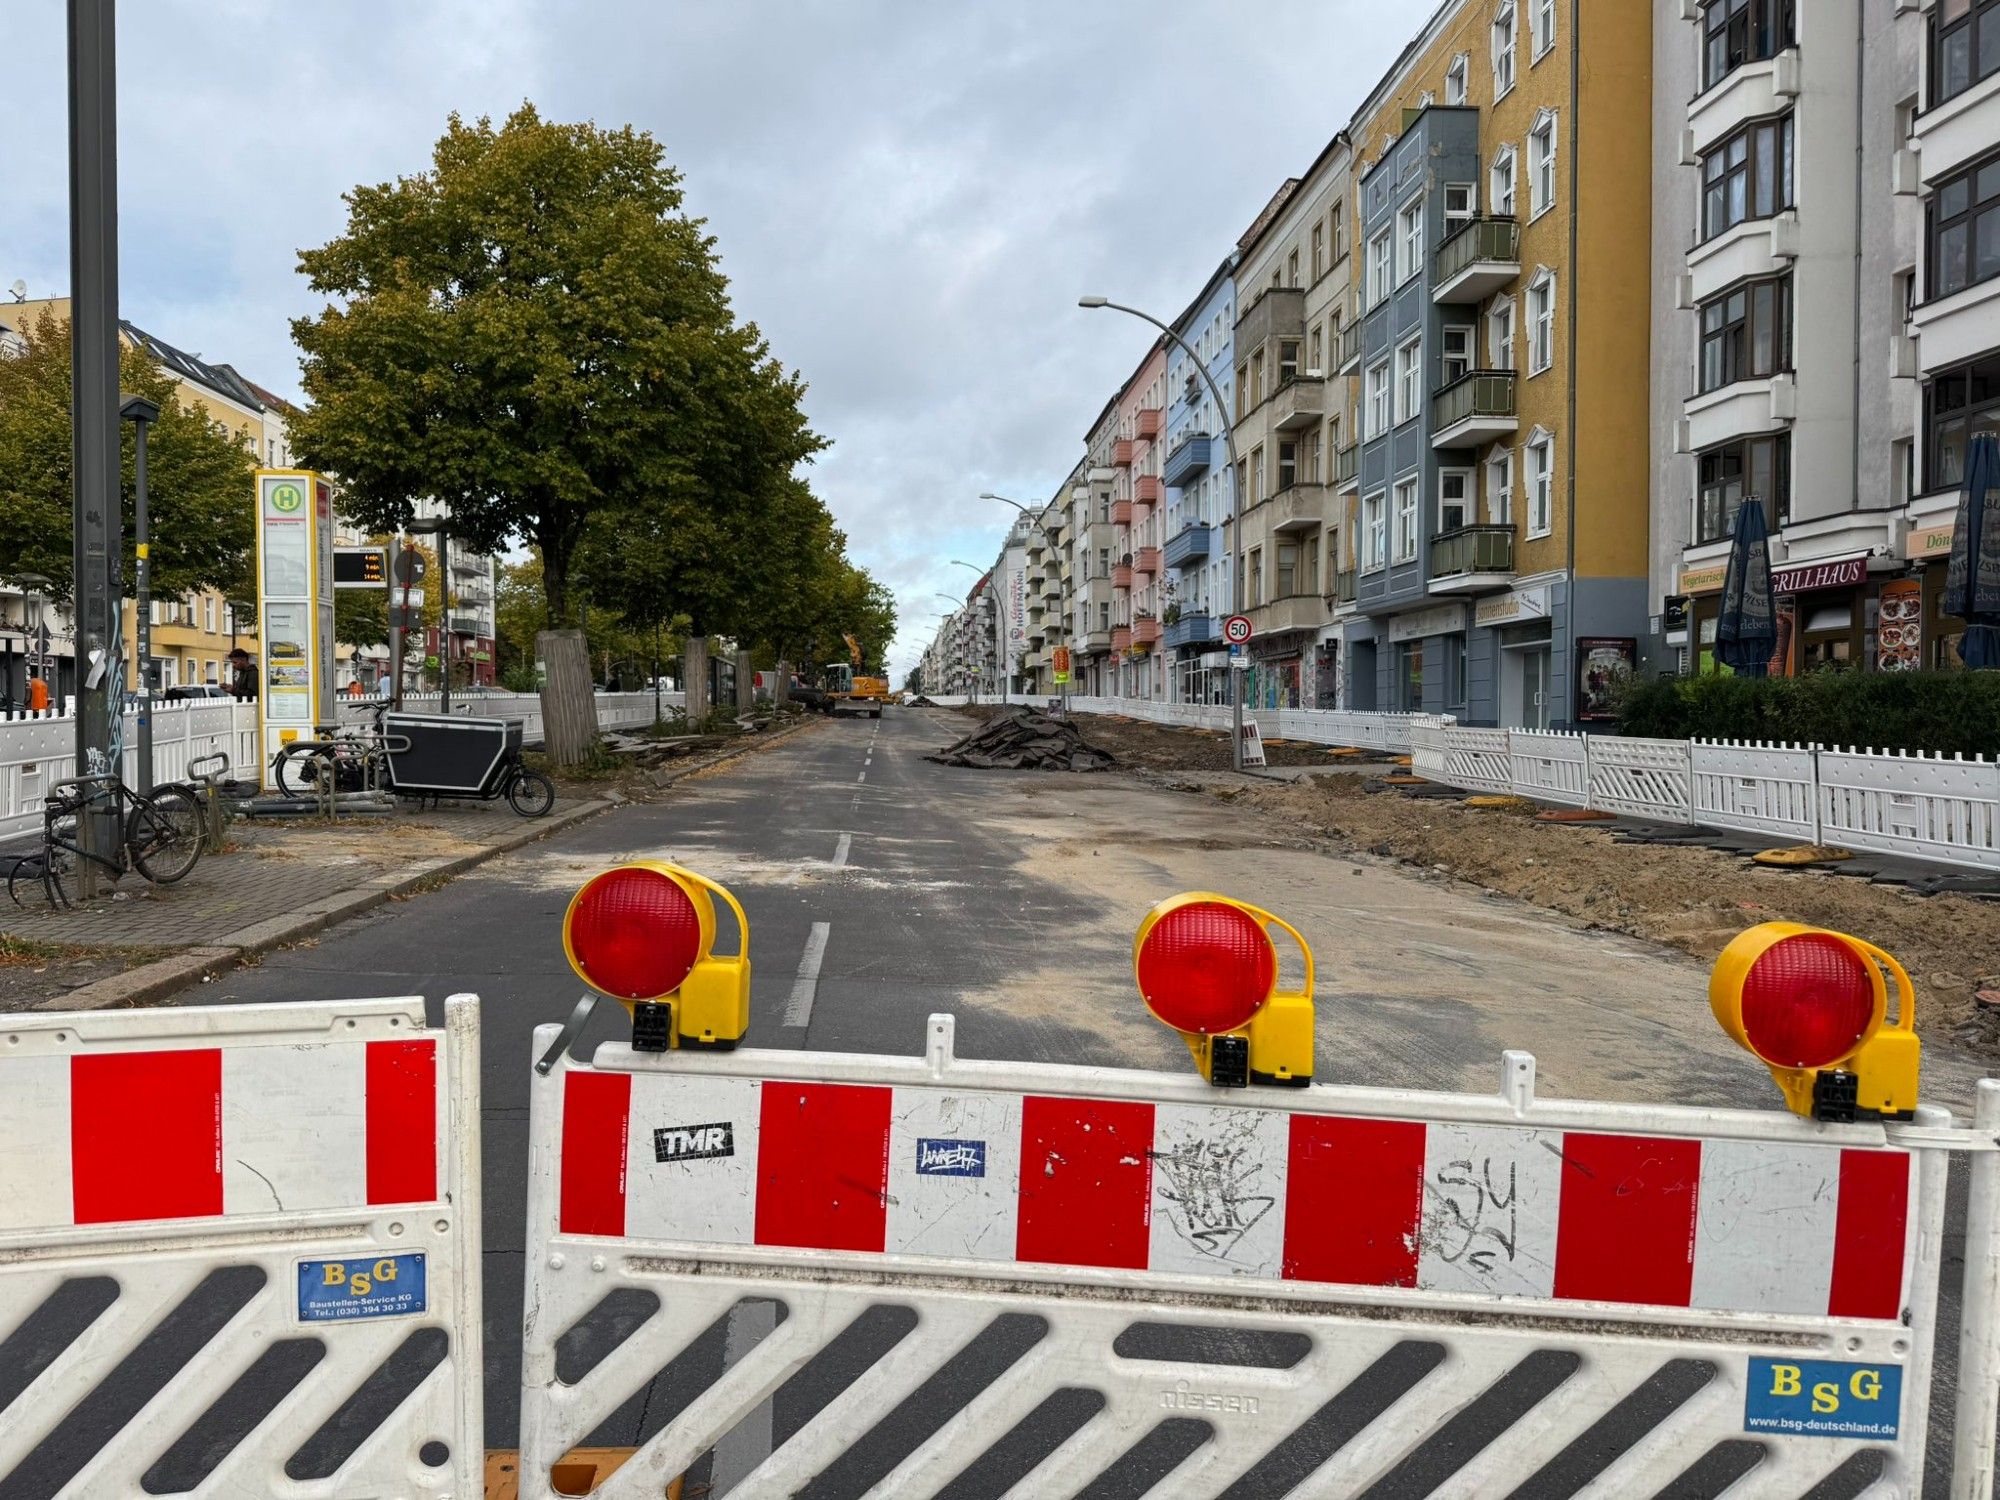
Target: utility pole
142, 414
95, 501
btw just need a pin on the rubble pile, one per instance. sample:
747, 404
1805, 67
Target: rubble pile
1024, 739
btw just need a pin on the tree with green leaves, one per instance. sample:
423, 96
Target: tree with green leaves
199, 487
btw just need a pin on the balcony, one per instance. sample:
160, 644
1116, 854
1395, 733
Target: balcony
1743, 408
1147, 560
1476, 260
1149, 489
1960, 130
1121, 512
1121, 575
1299, 507
1347, 467
1756, 247
1298, 403
1097, 640
1346, 586
1471, 559
1121, 453
1146, 426
1191, 630
1189, 459
1289, 612
1475, 408
1121, 638
1189, 545
1754, 89
1146, 631
1347, 358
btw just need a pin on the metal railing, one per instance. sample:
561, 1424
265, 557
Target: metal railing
1472, 549
1478, 393
1484, 239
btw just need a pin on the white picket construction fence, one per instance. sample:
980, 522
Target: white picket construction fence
1937, 808
614, 710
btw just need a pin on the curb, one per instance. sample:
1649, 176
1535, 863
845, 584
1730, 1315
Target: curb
156, 981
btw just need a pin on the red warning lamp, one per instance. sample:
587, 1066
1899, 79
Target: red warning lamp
643, 934
1813, 1006
1206, 966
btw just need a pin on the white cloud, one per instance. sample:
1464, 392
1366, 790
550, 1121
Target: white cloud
908, 198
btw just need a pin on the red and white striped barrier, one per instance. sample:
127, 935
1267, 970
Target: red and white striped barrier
1224, 1190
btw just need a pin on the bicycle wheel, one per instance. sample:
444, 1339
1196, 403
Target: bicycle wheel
298, 769
531, 794
164, 834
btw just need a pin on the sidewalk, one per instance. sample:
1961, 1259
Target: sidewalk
276, 882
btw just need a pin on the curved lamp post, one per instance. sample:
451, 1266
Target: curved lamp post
1235, 502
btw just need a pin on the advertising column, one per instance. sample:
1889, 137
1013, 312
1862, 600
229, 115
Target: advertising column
294, 607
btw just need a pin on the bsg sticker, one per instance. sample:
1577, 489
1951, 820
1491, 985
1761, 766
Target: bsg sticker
382, 1286
1823, 1398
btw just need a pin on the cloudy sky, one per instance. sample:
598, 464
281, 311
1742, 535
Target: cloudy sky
909, 196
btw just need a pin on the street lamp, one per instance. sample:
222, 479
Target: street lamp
142, 414
1235, 503
1062, 583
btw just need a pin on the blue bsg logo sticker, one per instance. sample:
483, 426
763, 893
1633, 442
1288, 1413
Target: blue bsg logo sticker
1823, 1398
950, 1158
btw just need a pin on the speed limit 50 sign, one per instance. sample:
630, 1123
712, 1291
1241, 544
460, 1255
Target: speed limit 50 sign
1236, 630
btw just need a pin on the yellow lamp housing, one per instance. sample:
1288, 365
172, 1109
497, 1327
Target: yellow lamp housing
1206, 965
698, 1000
1812, 1005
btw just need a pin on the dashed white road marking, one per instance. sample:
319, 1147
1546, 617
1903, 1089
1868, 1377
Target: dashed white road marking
862, 777
840, 850
799, 1009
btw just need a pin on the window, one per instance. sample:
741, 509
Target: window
1455, 78
1500, 488
1746, 334
1410, 241
1959, 403
1292, 267
1406, 519
1316, 362
1541, 484
1500, 335
1454, 499
1748, 176
1257, 490
1965, 227
1503, 49
1288, 464
1965, 46
1542, 165
1753, 467
1542, 27
1541, 322
1380, 249
1336, 220
1288, 361
1409, 380
1319, 250
1287, 579
208, 613
1374, 537
1461, 202
1456, 358
1502, 194
1256, 377
1256, 594
1242, 385
1735, 32
1381, 416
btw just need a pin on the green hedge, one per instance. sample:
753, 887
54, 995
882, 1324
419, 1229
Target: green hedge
1937, 711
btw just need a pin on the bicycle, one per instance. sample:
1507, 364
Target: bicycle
161, 836
349, 760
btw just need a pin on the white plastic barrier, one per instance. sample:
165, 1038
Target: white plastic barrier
1478, 759
1427, 747
1640, 778
929, 1250
1920, 806
38, 752
1550, 767
1755, 788
293, 1190
614, 710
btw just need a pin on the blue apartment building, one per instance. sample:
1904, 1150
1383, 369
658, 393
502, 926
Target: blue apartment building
1200, 503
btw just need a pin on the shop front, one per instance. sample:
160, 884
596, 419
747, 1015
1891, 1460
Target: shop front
1828, 613
1927, 636
1517, 639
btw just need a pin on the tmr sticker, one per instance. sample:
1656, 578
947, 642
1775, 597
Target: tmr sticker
694, 1142
1823, 1398
341, 1291
948, 1158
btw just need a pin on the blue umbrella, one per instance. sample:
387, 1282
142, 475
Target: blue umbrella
1972, 574
1747, 629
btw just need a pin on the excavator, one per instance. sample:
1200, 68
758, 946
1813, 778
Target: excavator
847, 689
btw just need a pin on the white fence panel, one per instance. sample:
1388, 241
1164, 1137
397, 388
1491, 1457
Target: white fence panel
295, 1188
1478, 759
1755, 788
1924, 807
1427, 746
1642, 778
1550, 767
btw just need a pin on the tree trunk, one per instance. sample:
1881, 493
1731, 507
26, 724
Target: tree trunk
781, 684
694, 679
746, 684
569, 708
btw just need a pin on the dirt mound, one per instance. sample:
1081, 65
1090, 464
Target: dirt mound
1024, 739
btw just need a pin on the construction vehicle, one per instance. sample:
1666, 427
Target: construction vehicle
848, 689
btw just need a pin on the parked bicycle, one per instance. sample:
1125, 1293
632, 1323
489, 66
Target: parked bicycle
160, 836
423, 756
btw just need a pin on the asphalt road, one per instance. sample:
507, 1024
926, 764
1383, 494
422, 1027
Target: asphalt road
881, 888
